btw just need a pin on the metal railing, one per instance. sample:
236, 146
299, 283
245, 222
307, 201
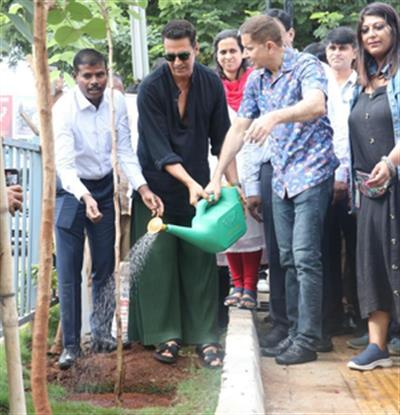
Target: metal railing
25, 226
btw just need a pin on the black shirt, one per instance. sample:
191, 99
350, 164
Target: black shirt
166, 138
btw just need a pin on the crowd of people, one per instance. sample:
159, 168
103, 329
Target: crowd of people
315, 149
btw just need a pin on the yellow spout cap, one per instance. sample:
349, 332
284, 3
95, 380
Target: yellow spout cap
156, 225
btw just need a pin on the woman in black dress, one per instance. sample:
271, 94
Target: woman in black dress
375, 139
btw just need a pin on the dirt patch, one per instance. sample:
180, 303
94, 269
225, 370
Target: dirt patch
147, 381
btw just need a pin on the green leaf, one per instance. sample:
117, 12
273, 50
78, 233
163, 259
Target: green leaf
134, 13
22, 26
66, 35
63, 57
78, 11
96, 28
55, 16
26, 4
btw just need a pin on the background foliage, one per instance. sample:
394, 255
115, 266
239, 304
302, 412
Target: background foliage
74, 24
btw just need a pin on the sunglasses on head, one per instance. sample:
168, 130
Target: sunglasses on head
183, 56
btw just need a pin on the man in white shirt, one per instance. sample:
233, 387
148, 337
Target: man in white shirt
84, 200
340, 53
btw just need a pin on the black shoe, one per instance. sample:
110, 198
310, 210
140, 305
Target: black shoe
296, 354
104, 344
68, 357
274, 336
324, 345
278, 349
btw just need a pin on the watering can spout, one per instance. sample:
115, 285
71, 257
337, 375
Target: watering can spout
215, 227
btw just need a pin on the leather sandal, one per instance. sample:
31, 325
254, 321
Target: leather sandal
233, 299
248, 300
211, 355
172, 347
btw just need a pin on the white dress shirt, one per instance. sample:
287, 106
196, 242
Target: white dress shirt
339, 98
82, 135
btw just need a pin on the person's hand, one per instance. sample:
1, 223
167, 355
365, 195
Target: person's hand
151, 200
260, 129
14, 198
254, 206
92, 210
214, 188
196, 192
340, 191
380, 175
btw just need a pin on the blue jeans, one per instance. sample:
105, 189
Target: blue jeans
299, 223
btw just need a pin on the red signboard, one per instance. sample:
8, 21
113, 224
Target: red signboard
6, 116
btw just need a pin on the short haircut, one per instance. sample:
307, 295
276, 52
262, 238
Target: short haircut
282, 16
261, 29
342, 35
317, 49
89, 57
179, 29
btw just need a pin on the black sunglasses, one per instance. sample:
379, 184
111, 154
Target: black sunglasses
183, 56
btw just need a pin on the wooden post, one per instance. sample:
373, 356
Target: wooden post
44, 104
8, 307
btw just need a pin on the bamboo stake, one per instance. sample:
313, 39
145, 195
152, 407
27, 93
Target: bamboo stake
120, 374
44, 104
8, 307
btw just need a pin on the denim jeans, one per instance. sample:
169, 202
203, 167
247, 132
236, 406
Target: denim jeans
299, 223
277, 302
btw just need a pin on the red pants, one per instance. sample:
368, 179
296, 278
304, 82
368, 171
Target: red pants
244, 269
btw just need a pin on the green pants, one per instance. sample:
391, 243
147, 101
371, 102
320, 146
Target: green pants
176, 295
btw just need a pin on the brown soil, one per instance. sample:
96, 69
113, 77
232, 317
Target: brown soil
147, 381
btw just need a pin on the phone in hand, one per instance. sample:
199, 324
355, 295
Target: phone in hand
12, 177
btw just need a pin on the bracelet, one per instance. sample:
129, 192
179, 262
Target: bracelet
391, 166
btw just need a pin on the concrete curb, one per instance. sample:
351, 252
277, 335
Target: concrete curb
242, 392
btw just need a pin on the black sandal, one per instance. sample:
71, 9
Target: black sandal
210, 355
172, 347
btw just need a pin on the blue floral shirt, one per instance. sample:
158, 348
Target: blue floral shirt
301, 153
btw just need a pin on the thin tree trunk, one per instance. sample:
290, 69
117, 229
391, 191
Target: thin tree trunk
57, 345
119, 380
44, 104
8, 307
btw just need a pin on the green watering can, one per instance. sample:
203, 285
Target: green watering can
216, 225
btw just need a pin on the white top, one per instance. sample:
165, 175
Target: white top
339, 98
82, 136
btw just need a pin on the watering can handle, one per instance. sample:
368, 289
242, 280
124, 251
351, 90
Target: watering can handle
204, 204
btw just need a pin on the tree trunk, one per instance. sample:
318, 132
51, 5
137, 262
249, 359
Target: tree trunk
119, 379
44, 104
8, 307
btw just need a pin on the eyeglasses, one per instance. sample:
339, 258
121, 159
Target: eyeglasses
183, 56
377, 27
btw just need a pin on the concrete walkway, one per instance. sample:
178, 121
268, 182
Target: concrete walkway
254, 385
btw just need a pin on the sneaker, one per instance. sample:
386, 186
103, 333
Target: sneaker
370, 358
295, 355
358, 342
274, 336
394, 346
278, 349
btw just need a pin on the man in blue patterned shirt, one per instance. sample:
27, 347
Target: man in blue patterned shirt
285, 101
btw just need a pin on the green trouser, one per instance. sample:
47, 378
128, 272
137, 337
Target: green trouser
176, 295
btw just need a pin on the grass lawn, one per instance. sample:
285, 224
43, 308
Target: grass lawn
197, 395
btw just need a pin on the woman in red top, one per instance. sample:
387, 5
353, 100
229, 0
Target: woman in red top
245, 255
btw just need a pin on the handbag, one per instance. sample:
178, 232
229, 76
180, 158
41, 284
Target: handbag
361, 180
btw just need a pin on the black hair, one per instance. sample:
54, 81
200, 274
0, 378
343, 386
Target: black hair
342, 35
391, 17
227, 34
282, 16
317, 49
179, 29
89, 57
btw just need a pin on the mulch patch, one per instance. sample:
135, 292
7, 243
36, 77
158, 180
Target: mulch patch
147, 381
